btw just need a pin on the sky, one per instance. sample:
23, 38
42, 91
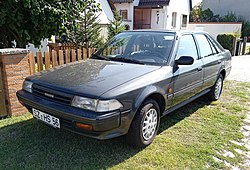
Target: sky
195, 2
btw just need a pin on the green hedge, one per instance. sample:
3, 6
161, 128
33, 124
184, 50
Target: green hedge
226, 41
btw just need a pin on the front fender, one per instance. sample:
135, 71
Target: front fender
146, 93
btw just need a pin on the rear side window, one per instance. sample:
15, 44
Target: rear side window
187, 47
205, 47
216, 44
212, 46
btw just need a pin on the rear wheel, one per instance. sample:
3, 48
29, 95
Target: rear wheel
145, 125
216, 90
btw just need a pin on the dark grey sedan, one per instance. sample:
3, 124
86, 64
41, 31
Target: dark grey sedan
128, 84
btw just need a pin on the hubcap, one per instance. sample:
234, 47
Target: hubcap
149, 124
218, 87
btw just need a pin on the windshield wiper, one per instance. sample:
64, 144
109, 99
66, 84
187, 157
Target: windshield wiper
96, 56
126, 60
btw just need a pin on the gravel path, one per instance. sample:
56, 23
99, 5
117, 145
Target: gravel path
240, 68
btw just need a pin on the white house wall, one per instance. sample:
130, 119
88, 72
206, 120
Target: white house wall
162, 18
165, 14
130, 8
222, 7
214, 29
182, 8
106, 14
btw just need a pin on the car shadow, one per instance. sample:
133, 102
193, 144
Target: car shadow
178, 115
31, 144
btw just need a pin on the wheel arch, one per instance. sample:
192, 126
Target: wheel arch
223, 73
154, 93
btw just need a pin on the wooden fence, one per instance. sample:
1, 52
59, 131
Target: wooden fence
54, 58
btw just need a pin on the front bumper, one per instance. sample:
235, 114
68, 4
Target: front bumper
105, 125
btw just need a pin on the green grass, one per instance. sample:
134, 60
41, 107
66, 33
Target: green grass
188, 139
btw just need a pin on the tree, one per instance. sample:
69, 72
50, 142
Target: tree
199, 15
208, 16
87, 33
232, 17
115, 26
195, 14
32, 20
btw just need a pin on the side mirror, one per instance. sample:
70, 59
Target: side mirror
185, 60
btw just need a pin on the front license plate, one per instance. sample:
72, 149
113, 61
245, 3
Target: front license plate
51, 120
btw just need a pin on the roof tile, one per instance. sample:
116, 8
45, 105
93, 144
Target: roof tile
153, 2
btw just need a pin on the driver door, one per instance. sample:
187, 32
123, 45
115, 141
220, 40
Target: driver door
187, 79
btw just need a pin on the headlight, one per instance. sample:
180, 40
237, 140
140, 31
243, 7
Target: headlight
108, 105
27, 86
96, 105
84, 103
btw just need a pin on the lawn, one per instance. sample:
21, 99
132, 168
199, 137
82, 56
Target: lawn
188, 138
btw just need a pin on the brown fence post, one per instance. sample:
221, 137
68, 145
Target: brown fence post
39, 61
85, 53
14, 68
32, 63
67, 56
73, 55
47, 59
61, 58
79, 54
54, 58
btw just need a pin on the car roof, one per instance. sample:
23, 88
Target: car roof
172, 31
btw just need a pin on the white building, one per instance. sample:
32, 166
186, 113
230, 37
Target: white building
222, 7
106, 15
154, 14
216, 28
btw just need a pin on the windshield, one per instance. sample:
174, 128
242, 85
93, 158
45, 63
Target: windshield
138, 47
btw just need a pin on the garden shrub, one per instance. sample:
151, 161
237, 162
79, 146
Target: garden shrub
226, 41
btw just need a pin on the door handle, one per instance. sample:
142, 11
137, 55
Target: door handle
219, 61
199, 69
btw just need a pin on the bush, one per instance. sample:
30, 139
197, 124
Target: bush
226, 41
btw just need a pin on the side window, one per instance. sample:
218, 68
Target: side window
174, 18
124, 14
205, 48
212, 46
218, 49
184, 21
187, 47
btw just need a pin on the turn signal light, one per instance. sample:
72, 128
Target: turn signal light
84, 126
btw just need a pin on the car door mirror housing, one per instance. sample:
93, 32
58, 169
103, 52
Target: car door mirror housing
185, 60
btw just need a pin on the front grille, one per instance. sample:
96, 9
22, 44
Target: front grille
51, 94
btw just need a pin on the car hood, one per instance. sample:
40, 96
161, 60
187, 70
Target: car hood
90, 78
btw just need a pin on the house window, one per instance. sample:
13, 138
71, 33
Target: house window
124, 14
184, 21
174, 17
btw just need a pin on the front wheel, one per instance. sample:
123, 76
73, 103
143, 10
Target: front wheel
216, 90
145, 125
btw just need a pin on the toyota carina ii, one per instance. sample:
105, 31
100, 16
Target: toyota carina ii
128, 84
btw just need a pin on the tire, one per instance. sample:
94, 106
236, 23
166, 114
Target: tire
145, 124
216, 90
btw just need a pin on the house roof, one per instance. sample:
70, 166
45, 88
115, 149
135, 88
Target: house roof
153, 3
111, 4
122, 1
